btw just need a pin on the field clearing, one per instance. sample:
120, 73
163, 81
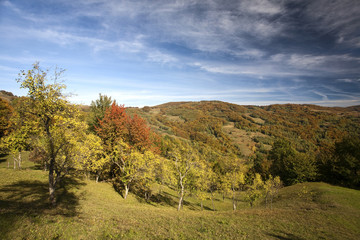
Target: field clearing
243, 138
89, 210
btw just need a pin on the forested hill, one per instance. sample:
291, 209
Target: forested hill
247, 129
296, 142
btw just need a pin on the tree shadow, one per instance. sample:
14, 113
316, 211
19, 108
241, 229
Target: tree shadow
284, 236
30, 199
162, 198
3, 157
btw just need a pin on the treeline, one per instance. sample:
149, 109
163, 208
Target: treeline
190, 153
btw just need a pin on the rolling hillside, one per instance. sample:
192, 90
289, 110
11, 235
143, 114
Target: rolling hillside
246, 129
89, 210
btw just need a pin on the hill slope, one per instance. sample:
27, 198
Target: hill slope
95, 211
246, 129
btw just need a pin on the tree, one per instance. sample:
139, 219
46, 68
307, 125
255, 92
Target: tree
98, 110
17, 142
113, 127
127, 146
184, 159
139, 133
200, 180
254, 191
91, 158
271, 187
233, 180
6, 112
55, 120
340, 164
130, 165
292, 166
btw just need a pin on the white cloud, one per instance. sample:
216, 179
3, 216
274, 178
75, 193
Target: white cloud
261, 6
338, 16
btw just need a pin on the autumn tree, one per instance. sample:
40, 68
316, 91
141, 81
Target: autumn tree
55, 119
255, 190
113, 127
127, 145
233, 178
22, 128
97, 111
6, 111
184, 159
91, 158
17, 142
271, 187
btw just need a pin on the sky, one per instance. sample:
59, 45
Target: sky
145, 53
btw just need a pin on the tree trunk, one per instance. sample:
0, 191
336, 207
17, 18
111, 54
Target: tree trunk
97, 178
52, 181
126, 190
19, 160
234, 202
181, 197
212, 200
52, 187
266, 200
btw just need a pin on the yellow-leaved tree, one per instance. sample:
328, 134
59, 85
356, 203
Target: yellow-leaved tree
56, 120
91, 158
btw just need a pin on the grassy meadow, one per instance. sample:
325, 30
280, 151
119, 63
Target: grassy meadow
89, 210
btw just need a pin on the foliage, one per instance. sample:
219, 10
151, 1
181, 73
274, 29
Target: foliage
90, 158
291, 166
97, 111
55, 121
5, 114
254, 192
271, 187
340, 164
127, 145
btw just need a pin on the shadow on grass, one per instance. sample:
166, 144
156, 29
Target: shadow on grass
3, 157
285, 236
30, 199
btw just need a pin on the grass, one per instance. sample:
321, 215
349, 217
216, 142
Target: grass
89, 210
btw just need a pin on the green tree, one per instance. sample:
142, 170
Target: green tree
97, 111
292, 166
341, 163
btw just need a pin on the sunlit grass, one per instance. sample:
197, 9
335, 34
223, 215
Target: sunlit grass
89, 210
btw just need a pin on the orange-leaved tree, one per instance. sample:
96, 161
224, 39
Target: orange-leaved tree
128, 145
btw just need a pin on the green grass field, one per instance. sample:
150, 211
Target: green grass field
89, 210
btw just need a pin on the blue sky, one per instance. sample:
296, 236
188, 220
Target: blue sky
144, 53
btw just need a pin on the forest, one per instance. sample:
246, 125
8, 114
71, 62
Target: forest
198, 149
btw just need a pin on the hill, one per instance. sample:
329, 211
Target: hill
89, 210
9, 96
247, 129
